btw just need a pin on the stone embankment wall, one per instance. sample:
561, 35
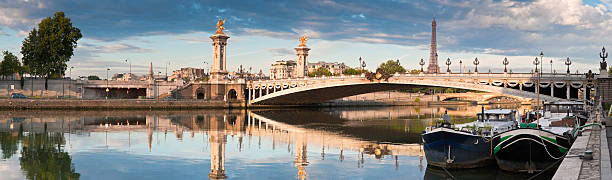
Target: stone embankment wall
56, 87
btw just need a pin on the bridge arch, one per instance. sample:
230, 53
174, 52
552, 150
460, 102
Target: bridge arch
232, 95
318, 92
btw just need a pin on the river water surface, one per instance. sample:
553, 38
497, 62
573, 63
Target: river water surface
319, 143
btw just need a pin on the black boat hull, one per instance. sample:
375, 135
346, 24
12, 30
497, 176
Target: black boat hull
530, 150
451, 149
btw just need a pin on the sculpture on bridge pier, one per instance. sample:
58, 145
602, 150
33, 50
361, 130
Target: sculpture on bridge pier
379, 75
302, 60
218, 70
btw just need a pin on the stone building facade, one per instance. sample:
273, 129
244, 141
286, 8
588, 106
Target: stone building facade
333, 67
283, 69
189, 73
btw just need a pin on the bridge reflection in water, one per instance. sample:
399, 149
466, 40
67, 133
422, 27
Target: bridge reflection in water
301, 143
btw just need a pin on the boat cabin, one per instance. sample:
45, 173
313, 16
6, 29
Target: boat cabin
497, 115
563, 107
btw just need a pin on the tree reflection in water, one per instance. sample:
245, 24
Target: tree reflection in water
42, 156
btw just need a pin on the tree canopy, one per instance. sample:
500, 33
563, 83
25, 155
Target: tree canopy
353, 71
92, 77
320, 72
10, 64
392, 67
46, 50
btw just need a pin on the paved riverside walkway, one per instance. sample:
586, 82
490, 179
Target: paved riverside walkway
595, 139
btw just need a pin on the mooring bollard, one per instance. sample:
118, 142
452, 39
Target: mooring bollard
588, 155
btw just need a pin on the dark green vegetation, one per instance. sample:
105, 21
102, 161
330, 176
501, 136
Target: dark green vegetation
92, 77
352, 71
10, 64
320, 72
42, 156
46, 50
391, 67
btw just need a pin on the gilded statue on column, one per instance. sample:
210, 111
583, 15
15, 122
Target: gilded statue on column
220, 26
303, 40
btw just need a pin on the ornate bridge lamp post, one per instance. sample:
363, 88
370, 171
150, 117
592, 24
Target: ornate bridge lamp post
363, 65
603, 70
422, 63
542, 62
568, 62
476, 63
505, 62
448, 63
359, 62
551, 69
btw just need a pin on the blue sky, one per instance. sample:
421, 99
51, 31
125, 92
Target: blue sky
177, 32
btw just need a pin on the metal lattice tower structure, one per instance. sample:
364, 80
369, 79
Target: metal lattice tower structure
433, 54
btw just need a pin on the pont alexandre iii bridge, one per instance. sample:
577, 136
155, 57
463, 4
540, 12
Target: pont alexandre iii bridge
321, 89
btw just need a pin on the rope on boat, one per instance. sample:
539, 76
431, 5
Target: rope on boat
451, 175
546, 148
580, 128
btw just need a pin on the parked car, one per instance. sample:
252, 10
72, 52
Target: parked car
18, 96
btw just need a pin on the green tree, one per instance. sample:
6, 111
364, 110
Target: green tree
93, 77
392, 67
47, 49
415, 71
9, 65
352, 71
9, 144
320, 72
43, 158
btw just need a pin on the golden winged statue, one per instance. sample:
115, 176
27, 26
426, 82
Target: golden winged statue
303, 40
220, 27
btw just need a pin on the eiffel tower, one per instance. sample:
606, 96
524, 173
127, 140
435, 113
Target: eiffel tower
433, 54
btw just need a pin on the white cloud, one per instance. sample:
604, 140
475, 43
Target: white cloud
268, 33
535, 16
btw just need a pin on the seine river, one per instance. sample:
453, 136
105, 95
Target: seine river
318, 143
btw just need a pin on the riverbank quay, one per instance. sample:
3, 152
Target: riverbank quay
575, 166
83, 104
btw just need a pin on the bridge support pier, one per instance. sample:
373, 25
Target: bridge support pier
552, 89
521, 86
568, 91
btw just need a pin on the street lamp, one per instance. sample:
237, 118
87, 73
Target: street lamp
156, 86
130, 62
476, 62
568, 62
536, 62
205, 63
448, 63
69, 87
505, 62
107, 69
422, 63
460, 66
